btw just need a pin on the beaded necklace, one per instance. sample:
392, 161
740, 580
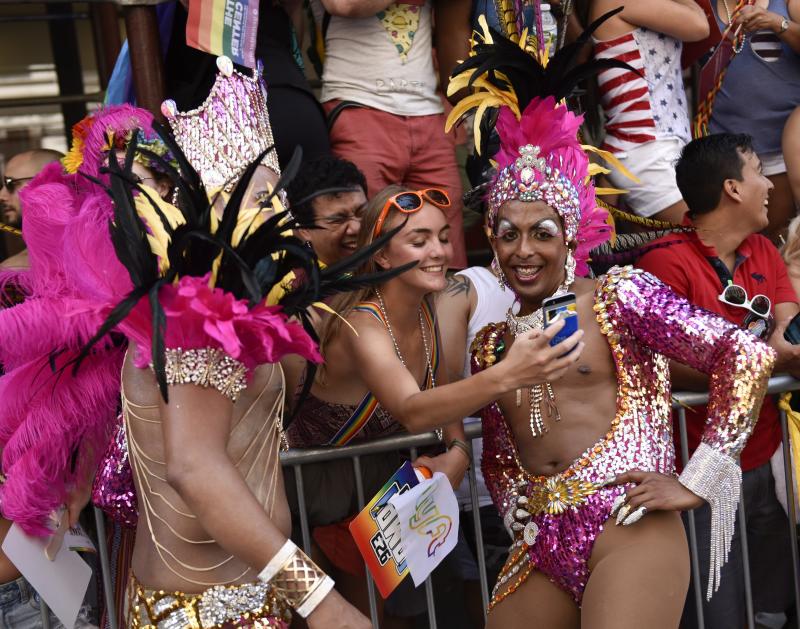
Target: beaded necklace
425, 344
735, 35
538, 394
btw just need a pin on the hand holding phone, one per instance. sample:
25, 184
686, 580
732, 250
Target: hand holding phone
561, 307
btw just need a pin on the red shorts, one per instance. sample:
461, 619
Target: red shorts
410, 150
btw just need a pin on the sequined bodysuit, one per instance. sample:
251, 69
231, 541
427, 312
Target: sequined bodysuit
645, 325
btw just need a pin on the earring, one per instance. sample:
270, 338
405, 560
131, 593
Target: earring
569, 267
498, 273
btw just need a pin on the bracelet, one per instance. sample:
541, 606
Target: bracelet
463, 446
297, 579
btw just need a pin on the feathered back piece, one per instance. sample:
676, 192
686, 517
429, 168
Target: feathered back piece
200, 280
539, 156
53, 423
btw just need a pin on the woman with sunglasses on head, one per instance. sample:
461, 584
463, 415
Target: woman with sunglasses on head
382, 354
562, 459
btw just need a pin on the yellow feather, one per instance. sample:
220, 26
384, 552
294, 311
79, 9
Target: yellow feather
476, 125
328, 309
487, 34
157, 238
597, 169
604, 191
458, 82
611, 159
475, 100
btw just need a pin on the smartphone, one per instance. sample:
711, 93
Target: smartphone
565, 306
792, 331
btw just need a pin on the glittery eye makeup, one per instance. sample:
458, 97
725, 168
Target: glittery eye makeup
504, 227
548, 225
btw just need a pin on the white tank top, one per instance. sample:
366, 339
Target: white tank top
492, 305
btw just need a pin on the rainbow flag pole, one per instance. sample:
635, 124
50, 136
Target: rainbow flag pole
224, 27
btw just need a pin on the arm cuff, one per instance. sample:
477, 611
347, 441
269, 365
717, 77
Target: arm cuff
717, 478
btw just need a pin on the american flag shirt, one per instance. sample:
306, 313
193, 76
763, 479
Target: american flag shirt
648, 105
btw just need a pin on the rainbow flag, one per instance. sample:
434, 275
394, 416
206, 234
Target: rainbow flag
224, 27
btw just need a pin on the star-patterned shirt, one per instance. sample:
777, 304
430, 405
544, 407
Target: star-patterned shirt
648, 104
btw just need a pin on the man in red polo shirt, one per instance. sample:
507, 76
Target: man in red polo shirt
725, 261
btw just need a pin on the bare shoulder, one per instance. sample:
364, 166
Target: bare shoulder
459, 292
584, 288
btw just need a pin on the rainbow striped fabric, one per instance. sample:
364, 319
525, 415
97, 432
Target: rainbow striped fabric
224, 27
369, 404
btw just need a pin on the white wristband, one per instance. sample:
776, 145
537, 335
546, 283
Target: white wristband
296, 578
315, 598
277, 562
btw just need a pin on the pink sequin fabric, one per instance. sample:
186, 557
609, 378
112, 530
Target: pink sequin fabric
113, 490
645, 324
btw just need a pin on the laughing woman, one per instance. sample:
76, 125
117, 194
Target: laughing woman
387, 377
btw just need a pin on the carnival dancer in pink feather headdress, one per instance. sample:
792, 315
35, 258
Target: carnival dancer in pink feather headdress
158, 306
592, 441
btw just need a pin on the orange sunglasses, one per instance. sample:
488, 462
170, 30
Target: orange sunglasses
410, 202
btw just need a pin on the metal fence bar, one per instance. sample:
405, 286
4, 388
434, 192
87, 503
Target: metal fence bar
430, 603
373, 601
301, 503
693, 559
790, 504
476, 521
105, 568
748, 585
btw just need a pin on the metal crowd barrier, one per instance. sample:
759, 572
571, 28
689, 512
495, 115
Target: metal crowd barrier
296, 459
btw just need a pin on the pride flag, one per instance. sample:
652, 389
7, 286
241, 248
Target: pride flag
224, 27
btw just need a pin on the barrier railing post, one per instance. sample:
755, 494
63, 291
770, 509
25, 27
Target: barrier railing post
693, 558
373, 602
791, 507
431, 604
476, 521
748, 585
301, 503
105, 568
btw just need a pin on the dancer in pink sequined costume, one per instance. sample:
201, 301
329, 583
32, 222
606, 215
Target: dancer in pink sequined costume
565, 457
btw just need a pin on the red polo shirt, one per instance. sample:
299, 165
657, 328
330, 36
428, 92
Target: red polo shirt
695, 272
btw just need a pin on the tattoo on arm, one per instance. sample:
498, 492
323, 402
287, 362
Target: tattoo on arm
457, 285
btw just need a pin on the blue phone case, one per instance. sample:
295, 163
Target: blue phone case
569, 313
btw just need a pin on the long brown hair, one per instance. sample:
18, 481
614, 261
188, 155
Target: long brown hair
344, 303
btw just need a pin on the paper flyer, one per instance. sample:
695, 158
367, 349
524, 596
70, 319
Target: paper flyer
61, 582
376, 531
428, 516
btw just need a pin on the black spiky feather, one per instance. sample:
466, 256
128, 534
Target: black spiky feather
507, 66
248, 269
